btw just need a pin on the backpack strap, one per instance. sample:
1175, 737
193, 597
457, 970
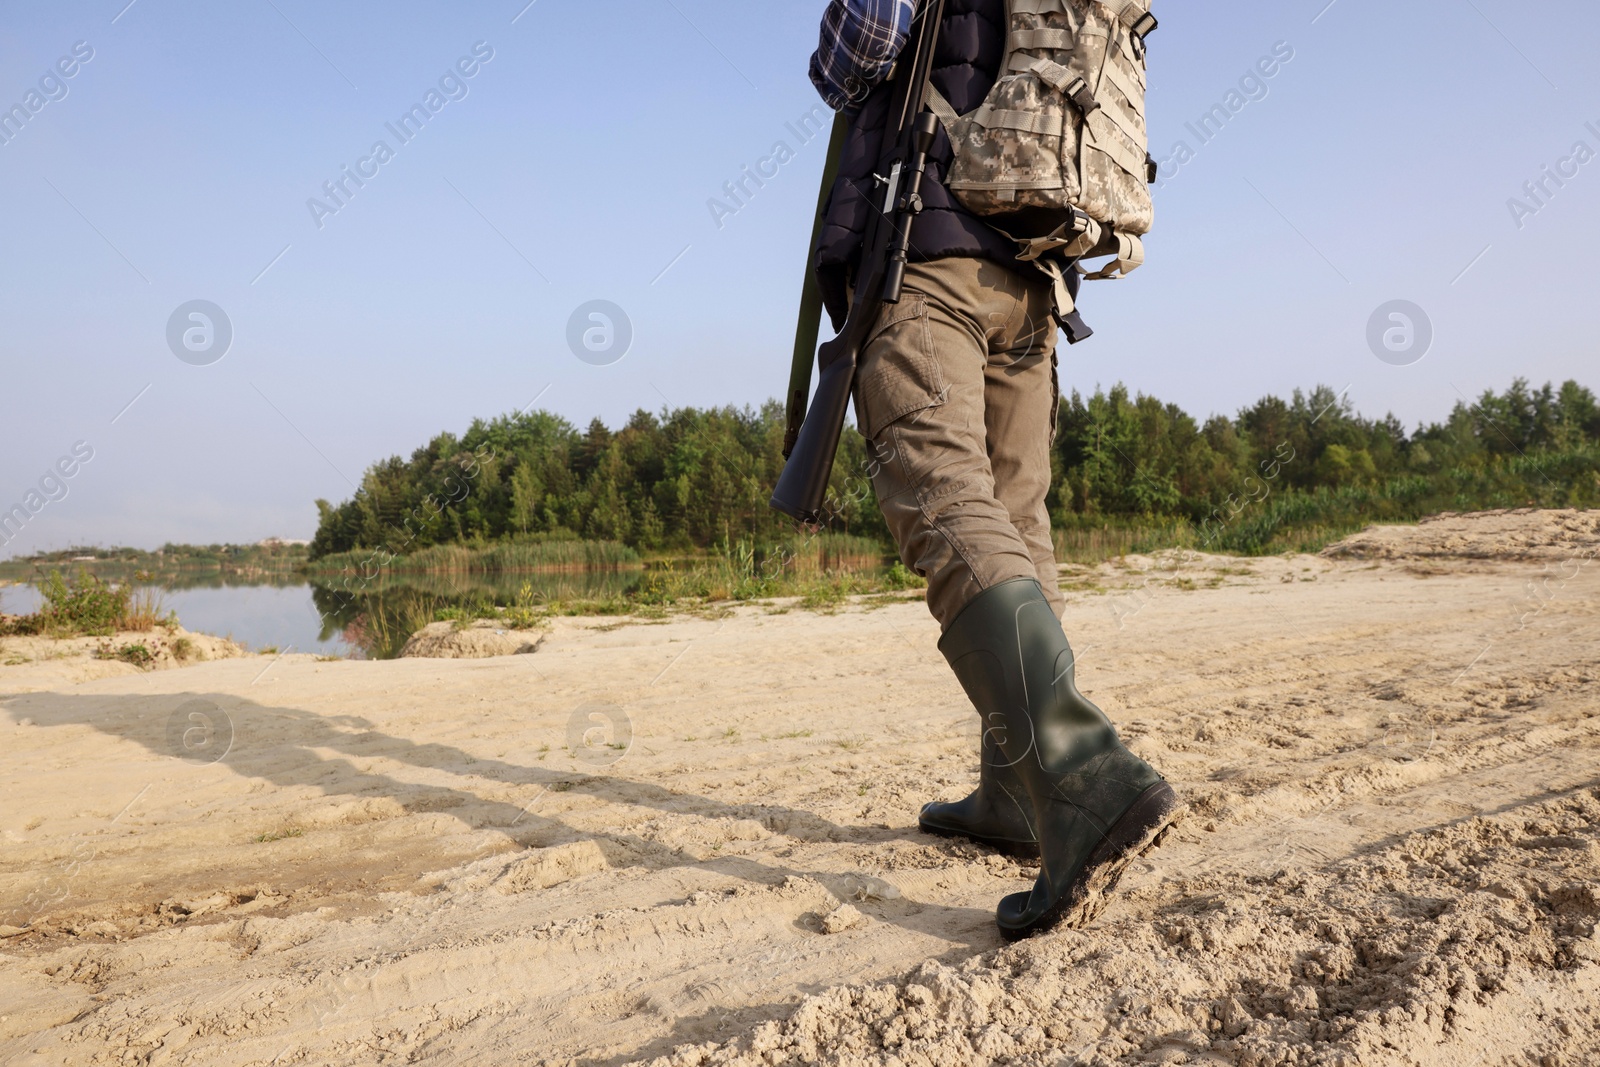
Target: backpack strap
1062, 79
1070, 240
1036, 122
1130, 254
1134, 14
1103, 138
1058, 39
1055, 256
1130, 87
1066, 310
941, 108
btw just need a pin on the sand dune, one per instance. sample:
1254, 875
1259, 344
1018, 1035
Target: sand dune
693, 842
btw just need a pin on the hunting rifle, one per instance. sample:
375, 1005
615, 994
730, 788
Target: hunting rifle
811, 437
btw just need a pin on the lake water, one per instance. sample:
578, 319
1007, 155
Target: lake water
259, 616
371, 621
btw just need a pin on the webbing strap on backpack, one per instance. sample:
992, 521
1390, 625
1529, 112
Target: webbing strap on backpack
941, 108
1130, 255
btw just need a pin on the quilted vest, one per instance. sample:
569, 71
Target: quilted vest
972, 45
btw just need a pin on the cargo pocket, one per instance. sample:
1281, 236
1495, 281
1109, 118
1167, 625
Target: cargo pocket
899, 372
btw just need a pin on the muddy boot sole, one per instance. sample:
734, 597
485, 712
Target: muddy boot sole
1140, 829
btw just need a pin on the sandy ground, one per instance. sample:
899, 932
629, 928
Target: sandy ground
29, 664
694, 842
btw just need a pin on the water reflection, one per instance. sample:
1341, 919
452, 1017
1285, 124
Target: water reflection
345, 616
375, 618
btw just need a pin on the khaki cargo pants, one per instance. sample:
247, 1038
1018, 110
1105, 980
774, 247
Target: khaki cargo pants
957, 397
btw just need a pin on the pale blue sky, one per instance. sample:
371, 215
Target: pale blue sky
579, 166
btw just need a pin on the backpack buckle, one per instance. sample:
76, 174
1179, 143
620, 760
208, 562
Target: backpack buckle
1073, 326
1080, 95
1143, 27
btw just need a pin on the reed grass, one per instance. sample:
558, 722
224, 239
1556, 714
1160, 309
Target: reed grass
512, 558
1089, 543
829, 551
146, 609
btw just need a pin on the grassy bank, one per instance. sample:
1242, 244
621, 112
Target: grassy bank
817, 572
1264, 519
172, 566
1308, 521
819, 569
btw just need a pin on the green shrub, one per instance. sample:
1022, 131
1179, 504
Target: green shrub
83, 604
22, 626
139, 655
899, 577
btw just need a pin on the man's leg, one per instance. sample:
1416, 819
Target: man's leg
920, 401
1053, 767
923, 402
1020, 401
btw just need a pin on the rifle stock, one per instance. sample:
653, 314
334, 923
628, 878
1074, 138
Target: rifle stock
803, 484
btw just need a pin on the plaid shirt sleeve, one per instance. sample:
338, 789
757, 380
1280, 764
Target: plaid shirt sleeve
860, 40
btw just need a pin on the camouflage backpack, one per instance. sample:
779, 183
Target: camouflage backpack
1056, 156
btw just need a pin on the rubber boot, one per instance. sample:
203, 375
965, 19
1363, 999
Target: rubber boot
1096, 806
998, 813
